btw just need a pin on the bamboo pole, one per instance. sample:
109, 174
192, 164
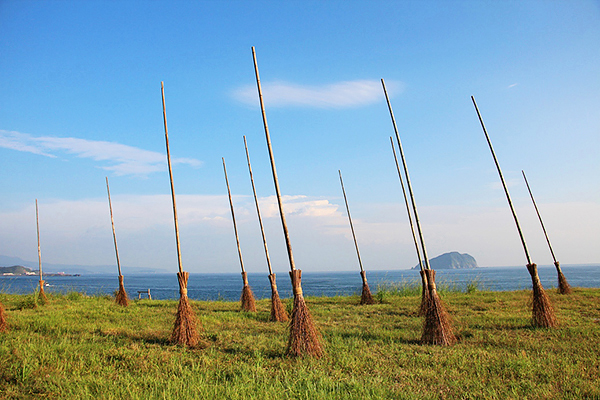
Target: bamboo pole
366, 296
184, 328
121, 297
304, 339
412, 227
237, 239
162, 88
563, 285
278, 312
542, 311
262, 230
37, 222
410, 191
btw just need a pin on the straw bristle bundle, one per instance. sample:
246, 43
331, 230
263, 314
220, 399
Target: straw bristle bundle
278, 312
437, 328
184, 329
366, 297
247, 299
42, 295
3, 324
542, 310
121, 295
304, 339
563, 285
424, 295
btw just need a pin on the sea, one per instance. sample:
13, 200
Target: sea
227, 286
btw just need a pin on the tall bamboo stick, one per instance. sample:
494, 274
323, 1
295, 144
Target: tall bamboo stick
278, 312
184, 328
412, 227
563, 285
304, 339
542, 311
410, 191
366, 296
37, 222
237, 238
121, 297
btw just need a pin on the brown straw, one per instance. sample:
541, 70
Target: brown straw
3, 323
563, 285
43, 298
366, 296
304, 340
247, 297
278, 312
184, 329
437, 328
121, 295
542, 312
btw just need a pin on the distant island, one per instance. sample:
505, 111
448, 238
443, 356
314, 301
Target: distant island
19, 270
452, 260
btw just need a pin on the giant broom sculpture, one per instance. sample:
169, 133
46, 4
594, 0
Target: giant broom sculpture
247, 297
437, 328
278, 313
424, 289
43, 297
121, 296
3, 324
542, 311
304, 339
563, 285
366, 296
184, 329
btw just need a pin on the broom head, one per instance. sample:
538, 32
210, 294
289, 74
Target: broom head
121, 295
42, 295
366, 296
437, 328
304, 339
424, 295
563, 285
542, 312
184, 329
247, 297
278, 313
3, 323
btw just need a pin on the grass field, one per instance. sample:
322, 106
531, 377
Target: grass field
88, 347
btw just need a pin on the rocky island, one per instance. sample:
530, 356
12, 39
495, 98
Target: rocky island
19, 270
452, 260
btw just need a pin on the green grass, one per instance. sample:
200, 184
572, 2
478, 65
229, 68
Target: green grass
89, 348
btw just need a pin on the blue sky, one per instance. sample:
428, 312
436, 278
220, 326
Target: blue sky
80, 100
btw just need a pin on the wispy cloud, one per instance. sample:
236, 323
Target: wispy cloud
513, 85
118, 158
345, 94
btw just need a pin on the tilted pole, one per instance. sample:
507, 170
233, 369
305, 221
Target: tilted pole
539, 216
412, 228
262, 230
512, 209
237, 239
410, 191
37, 222
112, 222
350, 220
162, 89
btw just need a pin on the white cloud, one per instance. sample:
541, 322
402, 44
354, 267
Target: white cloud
121, 159
336, 95
513, 85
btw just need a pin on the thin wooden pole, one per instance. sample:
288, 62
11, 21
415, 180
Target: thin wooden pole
512, 209
412, 228
350, 220
539, 216
262, 230
112, 222
273, 169
237, 239
162, 89
410, 191
37, 222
